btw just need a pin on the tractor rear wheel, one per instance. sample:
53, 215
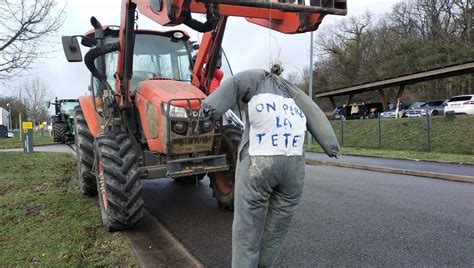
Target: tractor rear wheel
59, 132
84, 154
223, 182
118, 181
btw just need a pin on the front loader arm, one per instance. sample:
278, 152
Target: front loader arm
207, 56
285, 16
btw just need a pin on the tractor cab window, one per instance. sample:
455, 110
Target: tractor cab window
226, 67
68, 107
154, 56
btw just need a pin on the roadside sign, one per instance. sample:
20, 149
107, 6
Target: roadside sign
28, 137
26, 125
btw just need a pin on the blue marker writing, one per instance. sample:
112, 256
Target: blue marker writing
278, 123
295, 140
291, 110
299, 112
259, 136
270, 106
274, 140
259, 109
286, 139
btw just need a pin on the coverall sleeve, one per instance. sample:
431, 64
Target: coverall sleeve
316, 121
241, 86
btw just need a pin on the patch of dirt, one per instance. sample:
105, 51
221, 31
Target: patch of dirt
4, 190
104, 250
40, 188
62, 182
91, 232
33, 260
8, 206
32, 210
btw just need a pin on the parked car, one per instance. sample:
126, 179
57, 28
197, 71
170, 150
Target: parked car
388, 114
409, 112
338, 113
463, 104
433, 108
373, 109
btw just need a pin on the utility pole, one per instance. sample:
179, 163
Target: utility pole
310, 90
19, 117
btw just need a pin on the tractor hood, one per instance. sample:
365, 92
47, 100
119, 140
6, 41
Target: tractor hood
149, 98
157, 91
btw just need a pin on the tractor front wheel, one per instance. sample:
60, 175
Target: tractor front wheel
223, 182
84, 154
59, 132
118, 181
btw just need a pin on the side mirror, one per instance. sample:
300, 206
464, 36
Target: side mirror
71, 49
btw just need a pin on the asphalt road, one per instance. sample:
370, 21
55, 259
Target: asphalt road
347, 217
56, 148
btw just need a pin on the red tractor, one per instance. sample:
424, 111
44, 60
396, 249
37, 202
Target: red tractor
143, 117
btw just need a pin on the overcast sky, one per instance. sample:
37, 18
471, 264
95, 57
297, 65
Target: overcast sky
247, 45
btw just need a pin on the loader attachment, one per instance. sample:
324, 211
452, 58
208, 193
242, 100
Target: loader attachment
336, 7
286, 16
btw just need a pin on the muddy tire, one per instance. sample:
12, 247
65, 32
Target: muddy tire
118, 181
59, 132
222, 183
84, 154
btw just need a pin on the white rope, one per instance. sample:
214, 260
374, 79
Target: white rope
272, 61
270, 35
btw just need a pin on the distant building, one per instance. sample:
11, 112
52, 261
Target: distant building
4, 116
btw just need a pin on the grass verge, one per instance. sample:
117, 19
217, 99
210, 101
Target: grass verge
410, 155
46, 220
10, 143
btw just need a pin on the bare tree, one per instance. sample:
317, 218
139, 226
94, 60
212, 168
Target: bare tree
293, 77
35, 94
24, 27
416, 35
346, 47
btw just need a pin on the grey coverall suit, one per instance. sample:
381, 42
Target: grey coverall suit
269, 180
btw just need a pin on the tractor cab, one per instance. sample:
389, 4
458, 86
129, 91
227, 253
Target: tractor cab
156, 55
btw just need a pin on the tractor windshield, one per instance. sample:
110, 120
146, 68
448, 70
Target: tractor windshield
67, 107
154, 56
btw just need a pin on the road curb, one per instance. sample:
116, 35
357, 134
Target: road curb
403, 159
154, 246
441, 176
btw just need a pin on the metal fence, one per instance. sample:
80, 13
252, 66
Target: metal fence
446, 134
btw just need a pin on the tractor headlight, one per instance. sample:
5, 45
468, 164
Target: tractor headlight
180, 127
175, 111
207, 125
